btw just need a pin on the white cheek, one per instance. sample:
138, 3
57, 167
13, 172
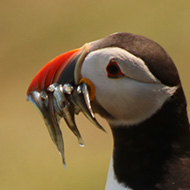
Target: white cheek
127, 100
131, 102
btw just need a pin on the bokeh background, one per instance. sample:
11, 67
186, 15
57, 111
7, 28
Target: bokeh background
34, 32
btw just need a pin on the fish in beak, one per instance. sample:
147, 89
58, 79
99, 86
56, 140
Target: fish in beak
58, 91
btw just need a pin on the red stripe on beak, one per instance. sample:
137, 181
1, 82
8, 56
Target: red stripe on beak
51, 72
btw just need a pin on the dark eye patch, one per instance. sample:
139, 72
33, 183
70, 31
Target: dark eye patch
113, 69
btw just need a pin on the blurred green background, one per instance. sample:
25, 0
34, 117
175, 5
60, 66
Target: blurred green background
34, 32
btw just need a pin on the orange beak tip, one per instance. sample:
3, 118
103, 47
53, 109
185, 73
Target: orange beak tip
52, 71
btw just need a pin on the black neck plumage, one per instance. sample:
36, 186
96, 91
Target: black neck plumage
142, 152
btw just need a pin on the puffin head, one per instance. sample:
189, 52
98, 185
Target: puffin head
133, 77
125, 78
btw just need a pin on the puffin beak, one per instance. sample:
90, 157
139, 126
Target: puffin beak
58, 91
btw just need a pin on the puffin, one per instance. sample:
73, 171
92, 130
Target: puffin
131, 82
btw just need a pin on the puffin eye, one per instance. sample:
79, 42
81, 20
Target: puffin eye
113, 69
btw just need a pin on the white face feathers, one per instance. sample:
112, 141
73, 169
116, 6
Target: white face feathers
124, 85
